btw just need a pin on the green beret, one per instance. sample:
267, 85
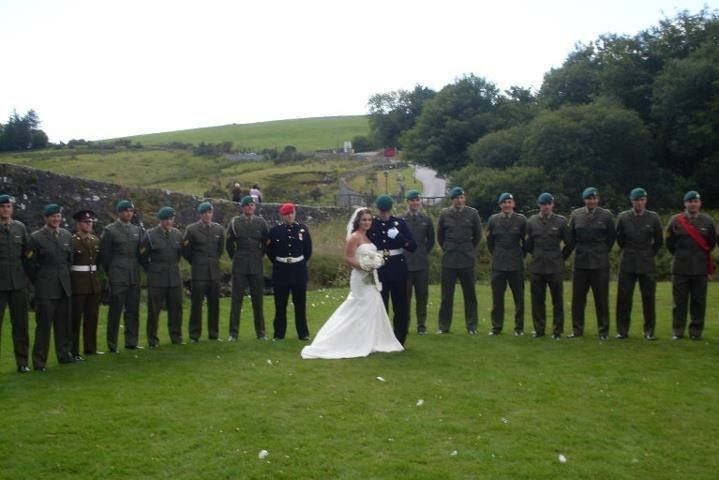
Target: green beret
51, 209
204, 207
246, 200
123, 205
384, 203
505, 196
637, 193
589, 192
545, 198
412, 194
692, 195
456, 192
166, 213
5, 199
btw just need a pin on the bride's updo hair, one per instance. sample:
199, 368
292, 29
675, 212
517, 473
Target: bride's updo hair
360, 214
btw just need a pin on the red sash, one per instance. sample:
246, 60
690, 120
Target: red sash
698, 239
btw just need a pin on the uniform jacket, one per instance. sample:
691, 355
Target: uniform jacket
119, 253
548, 243
13, 260
289, 241
689, 259
506, 236
423, 232
640, 237
592, 236
458, 234
245, 243
85, 252
395, 266
50, 259
202, 246
160, 255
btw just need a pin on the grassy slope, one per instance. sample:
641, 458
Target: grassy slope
509, 406
304, 133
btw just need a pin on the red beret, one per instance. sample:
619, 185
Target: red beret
287, 208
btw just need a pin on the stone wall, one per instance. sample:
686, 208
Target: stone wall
33, 189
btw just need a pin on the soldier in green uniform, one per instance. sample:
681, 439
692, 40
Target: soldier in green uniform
459, 231
640, 236
418, 262
86, 290
246, 242
160, 253
119, 256
50, 255
548, 243
506, 234
691, 236
592, 234
13, 280
202, 246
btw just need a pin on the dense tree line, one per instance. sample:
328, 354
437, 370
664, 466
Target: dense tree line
22, 133
620, 111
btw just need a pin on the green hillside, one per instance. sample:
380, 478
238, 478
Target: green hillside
304, 133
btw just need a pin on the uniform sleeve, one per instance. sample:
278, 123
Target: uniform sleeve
565, 236
571, 235
658, 235
611, 233
106, 249
712, 236
529, 241
621, 234
523, 239
408, 241
307, 244
430, 236
671, 239
186, 245
24, 249
265, 234
220, 242
144, 250
271, 249
490, 235
31, 259
476, 230
230, 240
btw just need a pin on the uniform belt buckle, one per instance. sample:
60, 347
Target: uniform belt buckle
288, 260
385, 253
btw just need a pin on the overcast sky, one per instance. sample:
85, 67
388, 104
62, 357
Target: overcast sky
104, 68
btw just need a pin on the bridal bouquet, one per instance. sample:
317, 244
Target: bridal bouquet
370, 262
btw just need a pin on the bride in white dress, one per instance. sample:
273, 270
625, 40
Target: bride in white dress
360, 325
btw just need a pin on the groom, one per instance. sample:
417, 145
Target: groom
392, 236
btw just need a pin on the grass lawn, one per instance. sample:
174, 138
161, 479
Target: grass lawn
451, 406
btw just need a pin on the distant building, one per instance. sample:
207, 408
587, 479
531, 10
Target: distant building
347, 148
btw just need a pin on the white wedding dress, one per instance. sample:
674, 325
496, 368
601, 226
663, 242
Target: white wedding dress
360, 325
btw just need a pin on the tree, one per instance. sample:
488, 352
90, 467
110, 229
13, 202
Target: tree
457, 116
393, 113
361, 143
500, 149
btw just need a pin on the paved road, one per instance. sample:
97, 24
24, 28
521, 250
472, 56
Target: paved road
433, 186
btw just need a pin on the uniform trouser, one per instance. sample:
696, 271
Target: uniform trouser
85, 310
299, 300
200, 290
689, 291
16, 300
467, 279
598, 280
419, 281
499, 281
538, 283
156, 298
399, 292
125, 297
52, 314
240, 282
625, 293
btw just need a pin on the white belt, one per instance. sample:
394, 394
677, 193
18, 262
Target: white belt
290, 259
83, 268
396, 251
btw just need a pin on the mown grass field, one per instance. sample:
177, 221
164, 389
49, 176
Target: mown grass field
451, 406
304, 133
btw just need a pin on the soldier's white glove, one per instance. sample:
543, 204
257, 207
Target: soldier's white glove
392, 233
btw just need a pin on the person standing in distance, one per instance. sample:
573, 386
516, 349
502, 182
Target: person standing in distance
592, 234
14, 241
392, 238
245, 242
418, 261
119, 256
202, 246
160, 255
289, 248
86, 289
459, 231
640, 236
691, 236
506, 234
50, 255
548, 243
